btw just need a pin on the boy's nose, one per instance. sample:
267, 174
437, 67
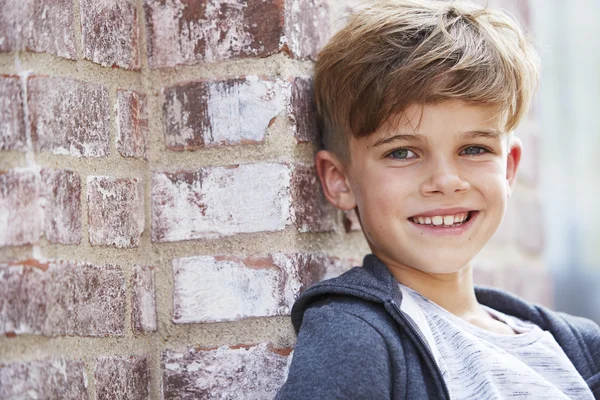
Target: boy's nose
445, 179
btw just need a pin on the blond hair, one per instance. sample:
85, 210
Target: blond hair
398, 53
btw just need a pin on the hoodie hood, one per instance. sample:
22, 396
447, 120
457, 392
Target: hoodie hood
375, 283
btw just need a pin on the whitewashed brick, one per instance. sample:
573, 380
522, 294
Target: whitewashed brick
115, 211
214, 289
51, 378
143, 300
61, 298
21, 212
221, 112
220, 201
68, 116
251, 373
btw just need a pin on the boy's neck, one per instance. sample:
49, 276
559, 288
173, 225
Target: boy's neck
454, 292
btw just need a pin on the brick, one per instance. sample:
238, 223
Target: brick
115, 211
351, 221
225, 288
143, 300
51, 378
323, 267
68, 116
197, 31
61, 298
307, 27
109, 33
32, 201
62, 206
313, 213
252, 373
125, 378
21, 213
530, 235
302, 110
220, 201
221, 112
38, 26
132, 124
12, 118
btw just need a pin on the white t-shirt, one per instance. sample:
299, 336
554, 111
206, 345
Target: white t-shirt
478, 364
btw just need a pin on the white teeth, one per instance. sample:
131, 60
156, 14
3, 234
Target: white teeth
446, 220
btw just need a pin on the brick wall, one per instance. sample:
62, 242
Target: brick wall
159, 211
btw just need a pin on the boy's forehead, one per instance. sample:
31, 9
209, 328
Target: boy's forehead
454, 118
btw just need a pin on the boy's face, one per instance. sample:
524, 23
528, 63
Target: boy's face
408, 181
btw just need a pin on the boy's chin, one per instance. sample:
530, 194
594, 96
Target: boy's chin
442, 265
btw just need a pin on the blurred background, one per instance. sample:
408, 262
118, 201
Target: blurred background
567, 111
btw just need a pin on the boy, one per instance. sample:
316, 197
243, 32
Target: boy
417, 101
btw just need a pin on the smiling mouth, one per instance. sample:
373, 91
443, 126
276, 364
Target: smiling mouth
444, 221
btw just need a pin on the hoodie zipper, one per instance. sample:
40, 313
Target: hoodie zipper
424, 345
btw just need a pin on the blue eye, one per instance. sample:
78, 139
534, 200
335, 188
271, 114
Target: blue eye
474, 150
402, 154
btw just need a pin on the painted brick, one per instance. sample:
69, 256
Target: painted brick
52, 378
351, 221
307, 27
323, 267
125, 378
132, 124
224, 288
38, 26
115, 211
12, 117
313, 213
62, 206
303, 110
61, 298
143, 300
109, 33
196, 31
68, 116
530, 235
221, 112
21, 213
251, 373
220, 201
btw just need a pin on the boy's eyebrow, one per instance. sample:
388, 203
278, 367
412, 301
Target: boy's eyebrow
485, 133
407, 137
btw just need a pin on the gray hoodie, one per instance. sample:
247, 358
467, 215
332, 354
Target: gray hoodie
354, 342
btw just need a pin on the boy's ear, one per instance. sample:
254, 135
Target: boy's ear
333, 178
515, 149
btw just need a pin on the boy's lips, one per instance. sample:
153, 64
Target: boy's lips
443, 230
